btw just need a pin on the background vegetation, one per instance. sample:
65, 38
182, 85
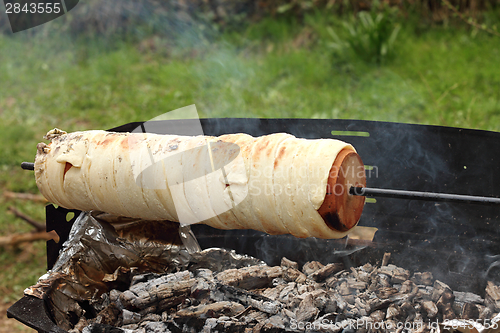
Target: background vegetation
109, 63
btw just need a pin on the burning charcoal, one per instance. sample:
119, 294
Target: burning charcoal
278, 282
293, 302
425, 292
254, 316
129, 327
101, 328
392, 312
445, 305
331, 282
150, 317
439, 289
311, 267
358, 285
390, 326
492, 298
201, 289
377, 316
156, 327
343, 288
362, 307
114, 297
320, 298
446, 298
331, 304
288, 315
397, 274
252, 277
259, 302
291, 274
325, 323
151, 294
378, 304
385, 259
305, 288
213, 325
424, 278
423, 328
273, 293
204, 274
407, 287
362, 276
418, 318
466, 297
289, 288
109, 315
286, 263
469, 311
211, 310
350, 299
82, 323
448, 313
130, 317
386, 292
486, 314
384, 280
306, 310
324, 272
407, 310
275, 321
430, 308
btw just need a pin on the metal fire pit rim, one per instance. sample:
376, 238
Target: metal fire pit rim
33, 312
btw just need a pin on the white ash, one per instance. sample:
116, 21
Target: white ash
287, 298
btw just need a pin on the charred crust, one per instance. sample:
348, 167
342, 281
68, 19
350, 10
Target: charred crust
332, 220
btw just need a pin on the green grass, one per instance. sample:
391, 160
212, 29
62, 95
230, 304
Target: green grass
272, 69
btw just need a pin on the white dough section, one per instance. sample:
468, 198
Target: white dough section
196, 164
220, 199
283, 180
243, 210
41, 176
128, 192
55, 170
176, 182
153, 179
74, 180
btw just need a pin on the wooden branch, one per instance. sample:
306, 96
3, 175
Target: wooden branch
28, 237
24, 196
38, 226
470, 20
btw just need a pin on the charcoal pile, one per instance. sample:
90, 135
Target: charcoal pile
289, 298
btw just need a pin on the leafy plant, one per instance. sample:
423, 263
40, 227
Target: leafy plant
370, 36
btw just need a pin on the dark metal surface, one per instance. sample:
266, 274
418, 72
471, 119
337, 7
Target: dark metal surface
28, 166
427, 196
32, 312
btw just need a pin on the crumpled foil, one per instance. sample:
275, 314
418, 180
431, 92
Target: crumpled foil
104, 252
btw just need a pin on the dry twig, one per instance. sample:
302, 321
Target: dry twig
24, 196
15, 239
38, 226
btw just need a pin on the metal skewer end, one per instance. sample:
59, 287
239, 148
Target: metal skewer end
28, 166
428, 196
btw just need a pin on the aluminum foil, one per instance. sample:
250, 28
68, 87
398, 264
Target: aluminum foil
104, 252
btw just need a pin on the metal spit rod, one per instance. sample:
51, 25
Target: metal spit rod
428, 196
28, 166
